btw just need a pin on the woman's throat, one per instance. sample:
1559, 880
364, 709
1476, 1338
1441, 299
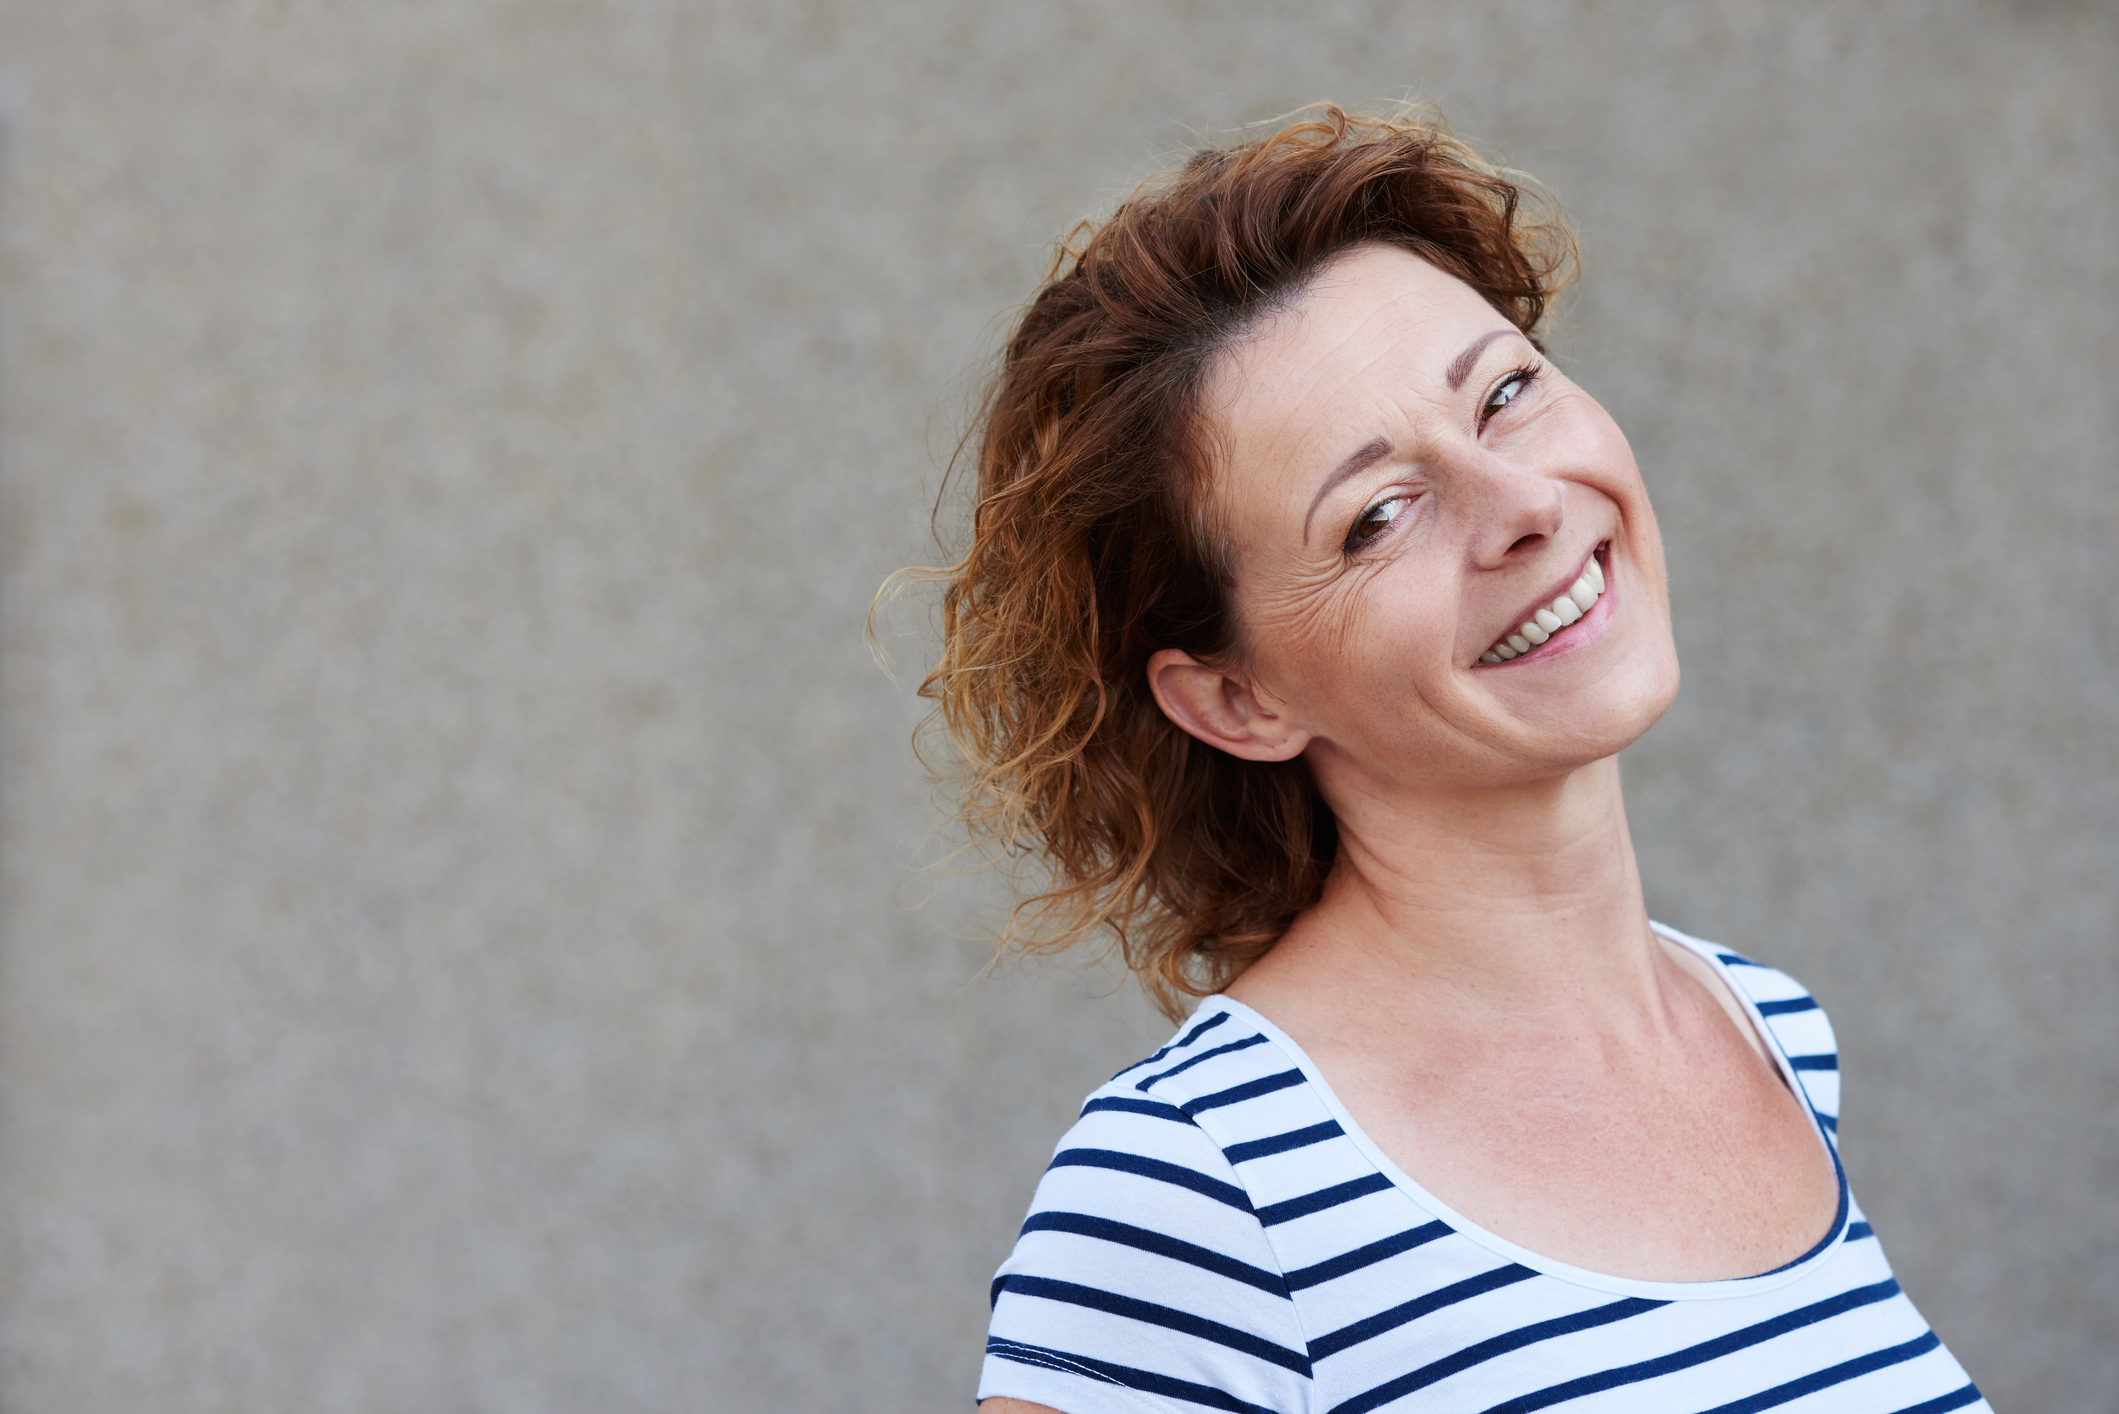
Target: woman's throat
1563, 611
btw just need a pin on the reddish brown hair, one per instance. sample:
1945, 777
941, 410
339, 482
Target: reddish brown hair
1087, 556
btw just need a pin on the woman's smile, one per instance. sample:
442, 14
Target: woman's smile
1562, 622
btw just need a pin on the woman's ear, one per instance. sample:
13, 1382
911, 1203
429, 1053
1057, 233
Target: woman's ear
1221, 709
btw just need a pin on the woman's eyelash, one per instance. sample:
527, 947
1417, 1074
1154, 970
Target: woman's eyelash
1373, 524
1519, 378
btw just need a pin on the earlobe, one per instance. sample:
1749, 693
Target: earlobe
1221, 709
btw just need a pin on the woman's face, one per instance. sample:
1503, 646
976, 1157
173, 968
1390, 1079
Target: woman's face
1405, 481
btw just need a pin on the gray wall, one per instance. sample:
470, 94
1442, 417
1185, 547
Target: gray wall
456, 949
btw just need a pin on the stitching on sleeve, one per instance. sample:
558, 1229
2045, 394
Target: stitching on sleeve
1031, 1355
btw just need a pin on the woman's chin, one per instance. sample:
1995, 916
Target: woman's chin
1569, 725
1592, 703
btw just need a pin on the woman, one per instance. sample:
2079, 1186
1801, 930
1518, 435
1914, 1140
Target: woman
1306, 611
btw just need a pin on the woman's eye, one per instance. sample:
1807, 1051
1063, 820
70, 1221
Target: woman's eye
1511, 388
1372, 521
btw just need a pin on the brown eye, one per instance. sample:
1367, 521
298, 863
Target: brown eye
1511, 388
1375, 520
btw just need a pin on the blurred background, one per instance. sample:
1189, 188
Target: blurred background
458, 943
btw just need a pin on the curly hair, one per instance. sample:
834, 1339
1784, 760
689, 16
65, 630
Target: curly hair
1089, 548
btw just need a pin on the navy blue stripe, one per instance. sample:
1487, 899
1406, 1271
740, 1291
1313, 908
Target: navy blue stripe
1943, 1403
1168, 1317
1161, 1244
1834, 1375
1237, 1094
1373, 1326
1139, 1107
1185, 1040
1499, 1345
1125, 1376
1156, 1169
1857, 1231
1793, 1004
1367, 1256
1703, 1352
1830, 1122
1736, 960
1827, 1061
1323, 1198
1182, 1066
1281, 1143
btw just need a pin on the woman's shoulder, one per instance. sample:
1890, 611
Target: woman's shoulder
1145, 1121
1228, 1077
1789, 1017
1143, 1272
1226, 1125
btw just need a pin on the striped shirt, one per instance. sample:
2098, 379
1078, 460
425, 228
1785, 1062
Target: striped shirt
1216, 1233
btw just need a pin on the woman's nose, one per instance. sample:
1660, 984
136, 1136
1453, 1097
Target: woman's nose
1514, 510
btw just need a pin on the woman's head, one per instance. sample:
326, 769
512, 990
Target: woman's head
1401, 486
1125, 517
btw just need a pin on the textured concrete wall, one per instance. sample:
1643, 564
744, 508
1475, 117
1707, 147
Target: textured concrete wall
455, 945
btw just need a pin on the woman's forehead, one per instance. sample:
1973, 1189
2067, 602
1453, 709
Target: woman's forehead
1375, 310
1374, 339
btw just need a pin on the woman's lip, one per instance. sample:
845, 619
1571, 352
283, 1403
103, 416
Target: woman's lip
1582, 631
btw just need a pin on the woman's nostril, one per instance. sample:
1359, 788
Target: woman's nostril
1525, 543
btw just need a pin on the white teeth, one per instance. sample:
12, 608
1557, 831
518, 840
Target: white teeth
1568, 608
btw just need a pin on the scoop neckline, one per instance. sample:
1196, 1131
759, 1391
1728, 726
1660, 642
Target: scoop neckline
1718, 1289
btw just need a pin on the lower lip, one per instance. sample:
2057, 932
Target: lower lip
1578, 634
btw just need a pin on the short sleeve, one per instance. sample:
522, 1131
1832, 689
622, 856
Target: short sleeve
1143, 1280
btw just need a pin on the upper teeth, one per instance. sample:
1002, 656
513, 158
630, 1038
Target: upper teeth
1580, 598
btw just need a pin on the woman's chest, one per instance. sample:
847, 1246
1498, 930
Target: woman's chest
1700, 1171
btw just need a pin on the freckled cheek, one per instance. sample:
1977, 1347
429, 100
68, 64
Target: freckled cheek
1601, 451
1385, 647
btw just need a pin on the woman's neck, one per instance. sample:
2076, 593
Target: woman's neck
1515, 902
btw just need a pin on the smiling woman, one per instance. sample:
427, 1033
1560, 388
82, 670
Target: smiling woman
1306, 609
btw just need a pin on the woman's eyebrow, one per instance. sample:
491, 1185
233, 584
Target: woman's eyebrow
1376, 449
1460, 367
